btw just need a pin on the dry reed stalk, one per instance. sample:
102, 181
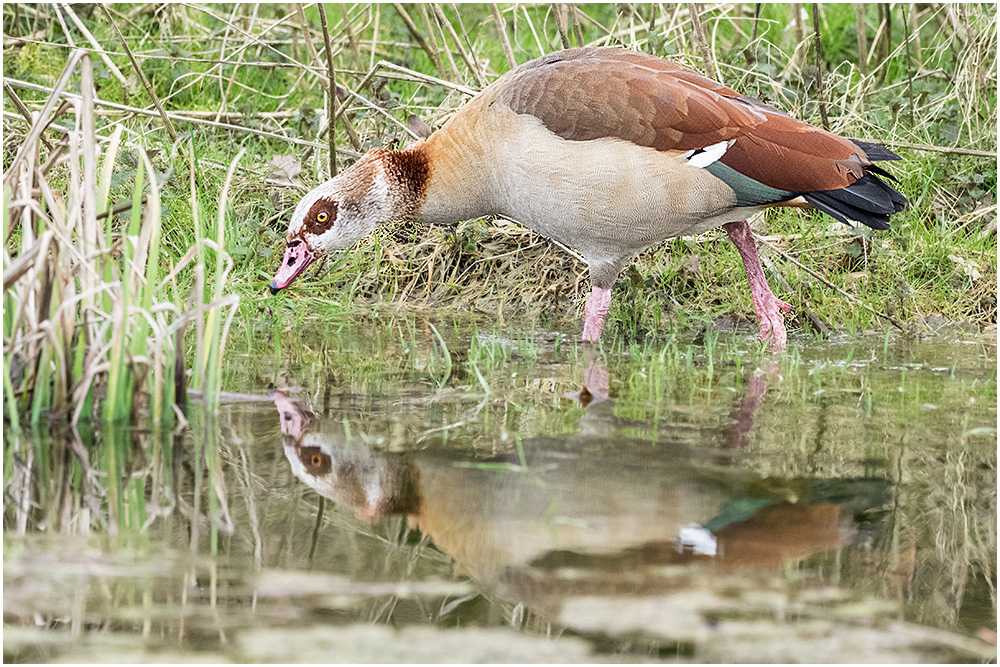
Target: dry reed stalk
909, 66
501, 26
861, 29
882, 42
575, 22
818, 53
89, 229
65, 29
375, 28
430, 23
23, 110
331, 93
18, 104
142, 76
25, 303
534, 33
560, 11
352, 39
800, 33
413, 75
698, 30
428, 48
750, 53
469, 59
306, 36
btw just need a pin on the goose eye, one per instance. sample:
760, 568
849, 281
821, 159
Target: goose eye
322, 216
316, 460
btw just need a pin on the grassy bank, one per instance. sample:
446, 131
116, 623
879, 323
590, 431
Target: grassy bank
223, 129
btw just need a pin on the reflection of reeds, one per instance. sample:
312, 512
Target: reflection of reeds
86, 309
224, 485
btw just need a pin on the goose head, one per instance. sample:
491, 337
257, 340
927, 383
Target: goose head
335, 216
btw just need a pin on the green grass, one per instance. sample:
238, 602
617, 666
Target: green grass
936, 90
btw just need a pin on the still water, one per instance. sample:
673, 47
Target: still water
403, 489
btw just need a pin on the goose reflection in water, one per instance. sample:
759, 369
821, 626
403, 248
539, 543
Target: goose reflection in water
598, 499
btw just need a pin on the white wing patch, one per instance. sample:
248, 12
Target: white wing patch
703, 157
693, 538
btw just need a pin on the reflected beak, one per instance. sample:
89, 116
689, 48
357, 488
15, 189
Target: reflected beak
297, 258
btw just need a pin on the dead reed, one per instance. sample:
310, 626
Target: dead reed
89, 313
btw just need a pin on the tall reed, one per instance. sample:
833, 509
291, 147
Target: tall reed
87, 312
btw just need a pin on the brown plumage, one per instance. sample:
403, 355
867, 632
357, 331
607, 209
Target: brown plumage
586, 94
608, 151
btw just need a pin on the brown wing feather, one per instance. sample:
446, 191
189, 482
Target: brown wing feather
590, 93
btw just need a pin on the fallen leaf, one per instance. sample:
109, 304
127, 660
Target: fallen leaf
285, 170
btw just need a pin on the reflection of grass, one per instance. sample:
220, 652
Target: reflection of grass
223, 487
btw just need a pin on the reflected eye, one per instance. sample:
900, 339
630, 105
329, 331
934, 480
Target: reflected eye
322, 216
315, 461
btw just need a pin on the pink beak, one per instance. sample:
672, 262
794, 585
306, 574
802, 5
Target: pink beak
297, 258
293, 419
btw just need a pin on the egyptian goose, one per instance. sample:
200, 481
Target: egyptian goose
608, 151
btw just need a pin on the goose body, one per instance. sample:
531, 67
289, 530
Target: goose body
607, 151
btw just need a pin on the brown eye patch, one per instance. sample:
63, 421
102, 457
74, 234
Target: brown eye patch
315, 461
320, 217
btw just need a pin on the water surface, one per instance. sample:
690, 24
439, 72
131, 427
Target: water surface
405, 489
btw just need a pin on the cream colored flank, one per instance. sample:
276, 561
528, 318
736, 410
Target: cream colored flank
607, 198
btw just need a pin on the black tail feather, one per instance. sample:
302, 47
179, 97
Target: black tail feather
867, 194
875, 152
868, 200
845, 212
875, 169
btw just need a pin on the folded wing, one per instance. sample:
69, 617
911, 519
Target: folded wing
768, 157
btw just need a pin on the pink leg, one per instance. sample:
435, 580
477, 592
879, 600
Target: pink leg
768, 306
596, 378
596, 381
738, 435
596, 310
